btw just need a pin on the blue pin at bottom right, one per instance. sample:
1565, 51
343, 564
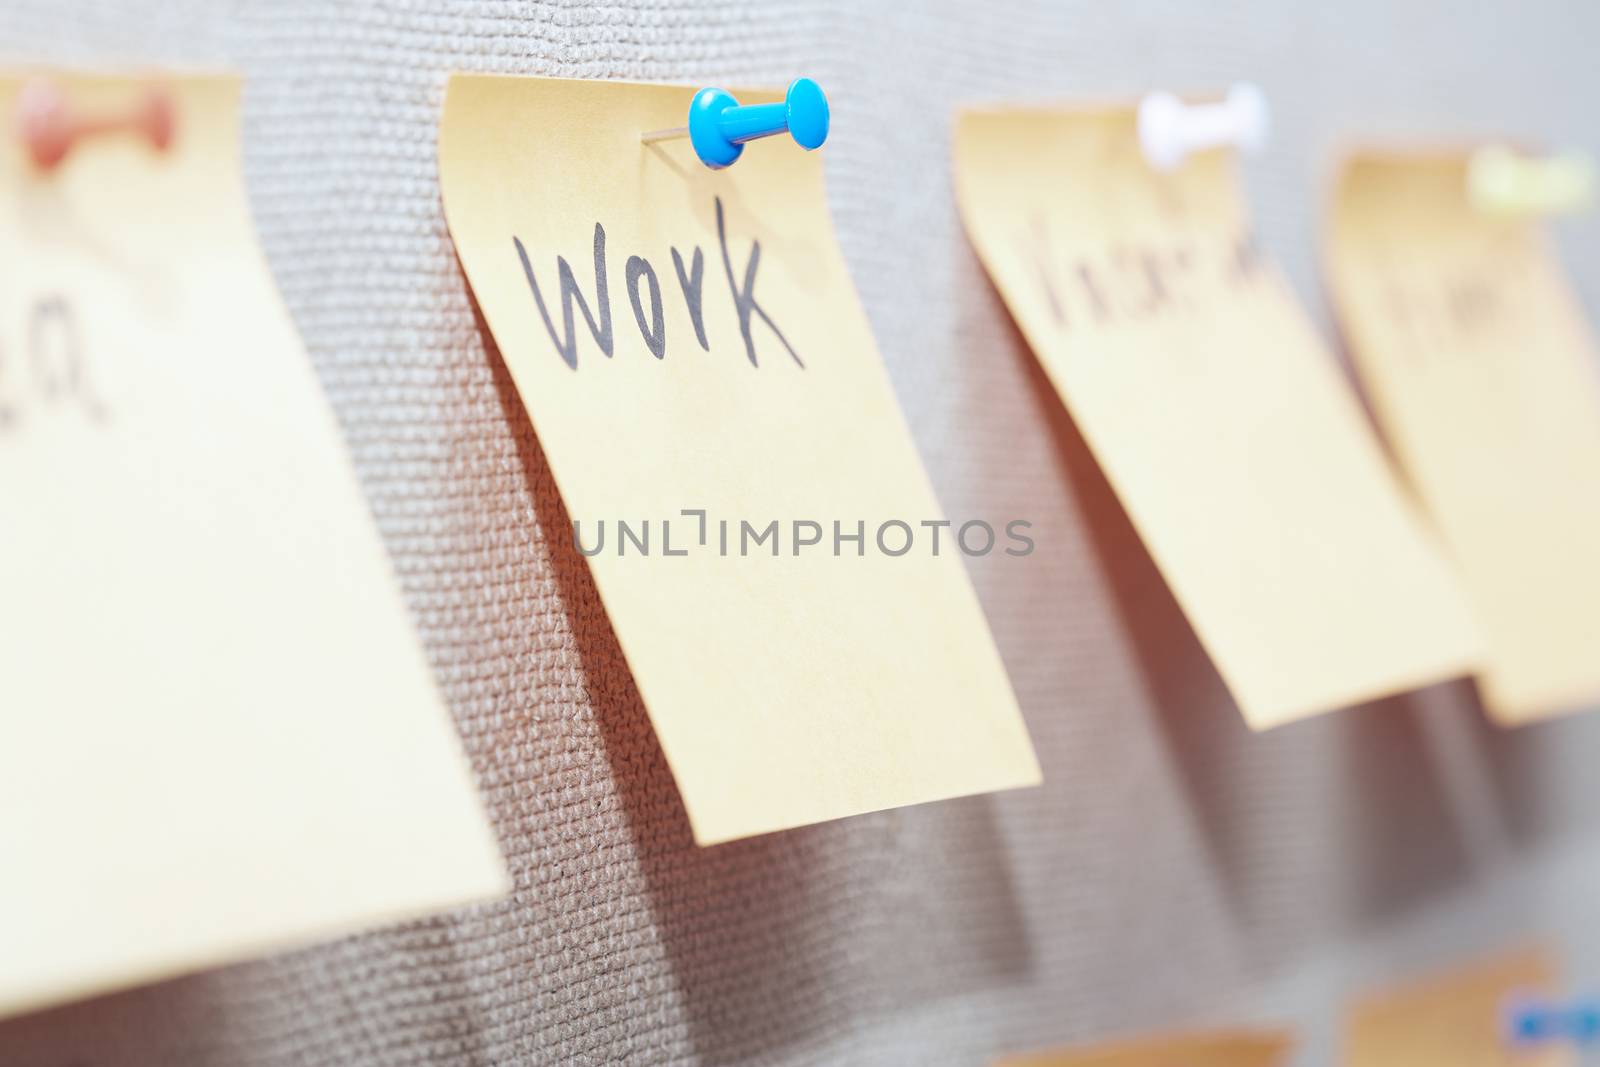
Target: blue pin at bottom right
1531, 1022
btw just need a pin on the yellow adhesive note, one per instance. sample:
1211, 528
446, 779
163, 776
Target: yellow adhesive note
218, 734
1223, 1048
1482, 373
700, 374
1454, 1019
1223, 424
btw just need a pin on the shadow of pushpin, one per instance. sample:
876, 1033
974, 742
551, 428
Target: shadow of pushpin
719, 126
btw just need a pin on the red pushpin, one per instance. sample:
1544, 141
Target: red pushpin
50, 129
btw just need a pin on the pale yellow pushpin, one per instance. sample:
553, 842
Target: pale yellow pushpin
1501, 181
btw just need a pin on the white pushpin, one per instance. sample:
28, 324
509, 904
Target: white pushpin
1170, 130
1504, 182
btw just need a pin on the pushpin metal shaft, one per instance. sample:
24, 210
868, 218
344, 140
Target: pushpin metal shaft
673, 134
744, 122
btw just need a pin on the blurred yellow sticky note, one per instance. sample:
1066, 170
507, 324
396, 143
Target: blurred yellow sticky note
1483, 375
218, 734
696, 364
1452, 1020
1222, 1048
1236, 447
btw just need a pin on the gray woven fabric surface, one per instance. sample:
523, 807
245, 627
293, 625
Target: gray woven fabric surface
1174, 868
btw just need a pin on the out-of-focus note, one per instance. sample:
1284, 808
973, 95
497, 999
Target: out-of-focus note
1454, 1019
218, 733
1222, 422
1485, 380
1223, 1048
705, 386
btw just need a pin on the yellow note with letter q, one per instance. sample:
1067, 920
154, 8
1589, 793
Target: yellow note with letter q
218, 734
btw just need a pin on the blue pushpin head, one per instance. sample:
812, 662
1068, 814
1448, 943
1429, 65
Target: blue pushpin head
719, 125
1531, 1022
1583, 1022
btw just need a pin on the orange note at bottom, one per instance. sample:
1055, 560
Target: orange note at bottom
1453, 1019
1223, 1048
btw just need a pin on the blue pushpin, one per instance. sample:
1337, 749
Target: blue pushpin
719, 125
1533, 1022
